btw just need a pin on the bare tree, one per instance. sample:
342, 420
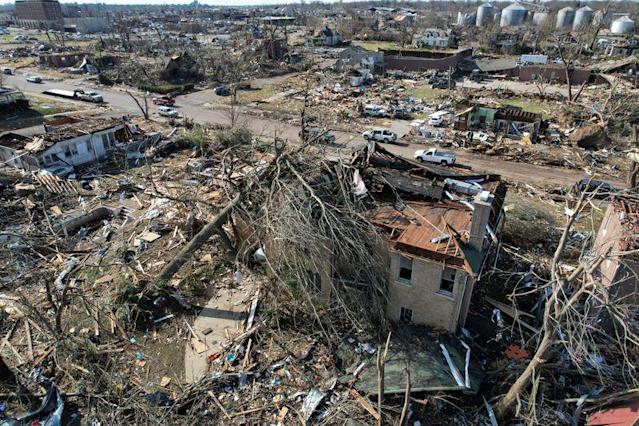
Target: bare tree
143, 108
577, 301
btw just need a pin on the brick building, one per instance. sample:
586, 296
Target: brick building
39, 14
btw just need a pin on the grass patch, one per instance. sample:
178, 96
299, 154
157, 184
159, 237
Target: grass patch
526, 105
47, 106
376, 45
426, 92
292, 106
249, 96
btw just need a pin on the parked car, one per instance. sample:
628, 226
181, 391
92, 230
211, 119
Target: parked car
57, 170
34, 79
7, 71
380, 135
91, 96
598, 188
433, 155
313, 133
374, 111
222, 91
164, 100
166, 111
401, 113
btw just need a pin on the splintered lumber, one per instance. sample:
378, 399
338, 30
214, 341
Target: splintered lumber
365, 404
200, 238
512, 312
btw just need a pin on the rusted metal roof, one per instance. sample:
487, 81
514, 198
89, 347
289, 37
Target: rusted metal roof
432, 230
621, 415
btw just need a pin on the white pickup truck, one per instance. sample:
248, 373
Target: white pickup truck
90, 96
432, 155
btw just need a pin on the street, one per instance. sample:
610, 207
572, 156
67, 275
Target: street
192, 106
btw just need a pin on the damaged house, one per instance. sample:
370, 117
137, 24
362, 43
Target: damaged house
438, 234
618, 241
182, 67
75, 143
508, 120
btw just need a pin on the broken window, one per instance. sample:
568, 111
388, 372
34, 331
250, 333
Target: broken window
447, 283
70, 150
405, 269
105, 141
405, 315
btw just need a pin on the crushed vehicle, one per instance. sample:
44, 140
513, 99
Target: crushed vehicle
34, 79
380, 135
596, 188
433, 155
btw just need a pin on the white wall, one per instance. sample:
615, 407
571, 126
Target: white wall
84, 149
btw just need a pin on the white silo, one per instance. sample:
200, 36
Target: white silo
485, 14
583, 17
540, 17
565, 17
623, 25
513, 15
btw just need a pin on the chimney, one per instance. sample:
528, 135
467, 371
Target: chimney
482, 205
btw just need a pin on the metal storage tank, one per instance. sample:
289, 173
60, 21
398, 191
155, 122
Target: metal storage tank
485, 14
513, 15
565, 17
623, 25
539, 17
583, 17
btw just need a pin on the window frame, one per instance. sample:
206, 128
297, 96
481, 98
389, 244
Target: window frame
403, 311
442, 291
399, 278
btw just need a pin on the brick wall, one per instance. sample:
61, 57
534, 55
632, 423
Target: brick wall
421, 296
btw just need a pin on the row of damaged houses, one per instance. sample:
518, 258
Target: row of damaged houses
72, 142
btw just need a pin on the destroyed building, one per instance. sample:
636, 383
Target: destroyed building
71, 143
11, 100
509, 120
327, 37
423, 60
356, 57
182, 67
618, 241
439, 224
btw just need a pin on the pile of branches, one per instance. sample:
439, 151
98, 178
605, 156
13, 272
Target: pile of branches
315, 234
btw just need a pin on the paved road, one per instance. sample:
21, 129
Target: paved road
192, 106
